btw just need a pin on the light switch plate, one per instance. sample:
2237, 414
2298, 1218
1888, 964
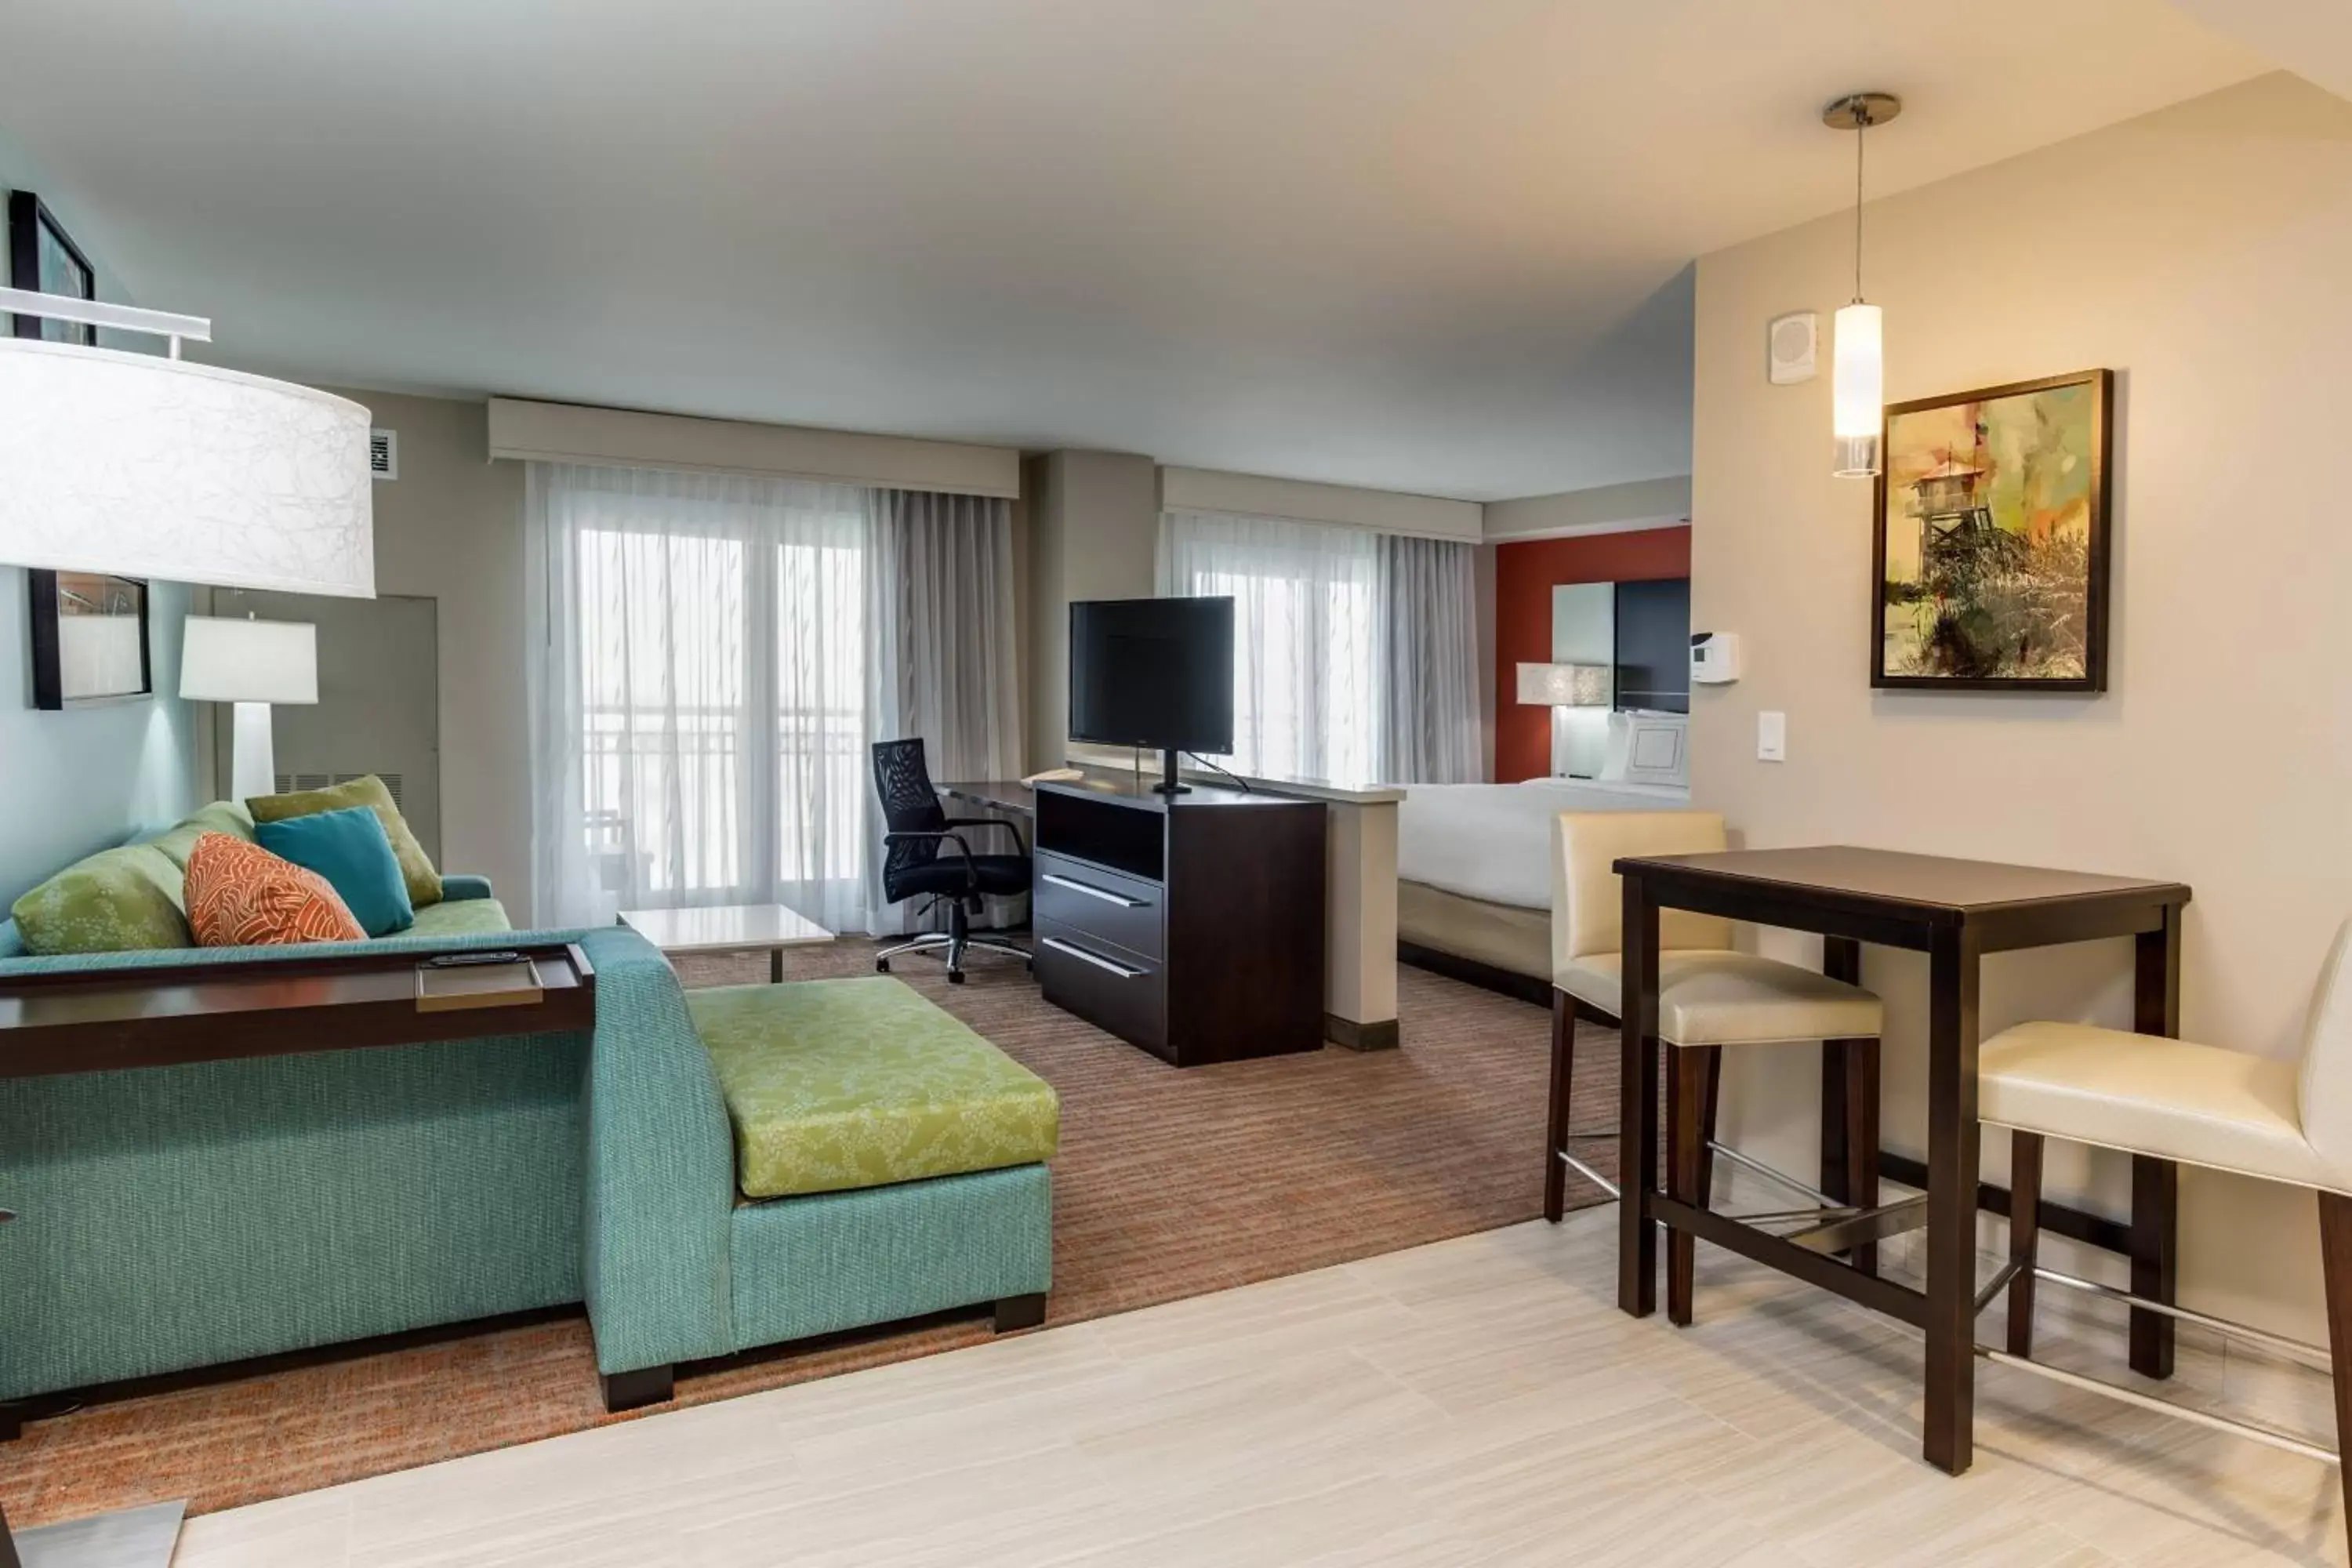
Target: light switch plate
1771, 737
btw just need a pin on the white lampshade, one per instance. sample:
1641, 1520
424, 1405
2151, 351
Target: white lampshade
145, 466
1858, 393
227, 660
1565, 685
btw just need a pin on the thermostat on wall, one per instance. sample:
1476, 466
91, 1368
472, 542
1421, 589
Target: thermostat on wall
1715, 657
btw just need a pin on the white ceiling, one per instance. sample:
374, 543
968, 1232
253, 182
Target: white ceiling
1423, 245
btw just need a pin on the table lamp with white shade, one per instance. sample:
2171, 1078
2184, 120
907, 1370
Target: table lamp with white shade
1567, 689
252, 664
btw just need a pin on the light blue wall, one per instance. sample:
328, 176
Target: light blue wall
74, 782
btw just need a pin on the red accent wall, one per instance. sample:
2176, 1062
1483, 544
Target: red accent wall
1526, 571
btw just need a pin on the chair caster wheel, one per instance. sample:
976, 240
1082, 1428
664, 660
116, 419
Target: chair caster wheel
881, 966
955, 976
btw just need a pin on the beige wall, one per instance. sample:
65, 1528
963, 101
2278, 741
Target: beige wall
450, 527
1094, 530
2201, 252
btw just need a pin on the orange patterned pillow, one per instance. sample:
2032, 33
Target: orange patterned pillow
240, 895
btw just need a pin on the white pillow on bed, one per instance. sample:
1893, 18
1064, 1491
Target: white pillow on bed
1647, 748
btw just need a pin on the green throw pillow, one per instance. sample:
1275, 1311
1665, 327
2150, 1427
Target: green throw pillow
416, 867
221, 816
117, 900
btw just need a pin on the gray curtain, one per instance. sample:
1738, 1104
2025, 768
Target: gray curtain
939, 609
1429, 651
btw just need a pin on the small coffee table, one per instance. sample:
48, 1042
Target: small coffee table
729, 928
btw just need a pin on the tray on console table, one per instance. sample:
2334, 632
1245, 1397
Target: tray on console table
102, 1021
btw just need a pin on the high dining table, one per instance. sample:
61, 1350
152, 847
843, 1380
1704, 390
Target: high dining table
1955, 912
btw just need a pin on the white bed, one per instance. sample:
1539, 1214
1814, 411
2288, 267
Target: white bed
1474, 861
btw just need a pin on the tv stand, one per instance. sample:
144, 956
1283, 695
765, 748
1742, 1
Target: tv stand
1169, 784
1190, 925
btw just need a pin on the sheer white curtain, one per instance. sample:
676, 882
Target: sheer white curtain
710, 655
1307, 690
1357, 656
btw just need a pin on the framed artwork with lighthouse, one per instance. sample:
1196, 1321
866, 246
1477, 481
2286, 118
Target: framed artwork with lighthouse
1992, 538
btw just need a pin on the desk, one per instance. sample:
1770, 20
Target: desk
1954, 912
1000, 794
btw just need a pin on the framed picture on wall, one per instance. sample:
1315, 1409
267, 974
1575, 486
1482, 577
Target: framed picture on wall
90, 639
43, 259
1989, 550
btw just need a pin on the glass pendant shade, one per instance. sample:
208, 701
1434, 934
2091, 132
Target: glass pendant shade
1858, 389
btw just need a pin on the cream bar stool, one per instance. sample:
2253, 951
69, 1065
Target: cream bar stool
1710, 996
2194, 1105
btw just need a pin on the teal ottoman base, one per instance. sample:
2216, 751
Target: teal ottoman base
817, 1265
842, 1261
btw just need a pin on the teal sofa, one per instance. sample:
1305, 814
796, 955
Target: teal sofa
180, 1217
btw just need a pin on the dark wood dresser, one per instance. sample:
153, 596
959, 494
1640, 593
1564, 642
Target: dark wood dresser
1192, 928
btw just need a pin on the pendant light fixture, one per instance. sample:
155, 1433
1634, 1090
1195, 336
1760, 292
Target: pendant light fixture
1858, 355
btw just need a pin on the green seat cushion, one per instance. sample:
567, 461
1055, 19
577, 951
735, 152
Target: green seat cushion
840, 1084
117, 900
461, 917
221, 816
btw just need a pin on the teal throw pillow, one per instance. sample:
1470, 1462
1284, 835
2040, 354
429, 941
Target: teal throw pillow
351, 850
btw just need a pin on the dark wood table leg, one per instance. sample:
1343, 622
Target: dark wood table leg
1850, 1105
1563, 1072
2156, 1184
1637, 1121
8, 1558
1947, 1442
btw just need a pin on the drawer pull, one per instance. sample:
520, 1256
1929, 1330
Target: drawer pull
1097, 959
1090, 891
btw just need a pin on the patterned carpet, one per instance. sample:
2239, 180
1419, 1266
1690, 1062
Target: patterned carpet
1168, 1184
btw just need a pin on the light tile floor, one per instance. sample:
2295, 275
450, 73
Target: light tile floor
1476, 1401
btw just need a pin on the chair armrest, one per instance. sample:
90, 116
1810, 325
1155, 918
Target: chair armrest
914, 837
459, 888
1013, 828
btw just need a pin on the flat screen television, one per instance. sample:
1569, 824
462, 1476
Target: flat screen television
1154, 673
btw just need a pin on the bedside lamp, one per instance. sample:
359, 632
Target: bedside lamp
252, 664
1565, 685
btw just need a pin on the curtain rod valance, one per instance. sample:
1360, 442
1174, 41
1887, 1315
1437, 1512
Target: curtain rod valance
1302, 501
626, 438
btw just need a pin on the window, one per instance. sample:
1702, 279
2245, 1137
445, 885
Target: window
1307, 681
711, 676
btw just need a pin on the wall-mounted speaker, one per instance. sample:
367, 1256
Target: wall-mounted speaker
1791, 343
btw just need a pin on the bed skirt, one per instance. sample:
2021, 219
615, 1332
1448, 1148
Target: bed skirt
1503, 938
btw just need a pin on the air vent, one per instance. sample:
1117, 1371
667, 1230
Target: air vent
288, 782
383, 454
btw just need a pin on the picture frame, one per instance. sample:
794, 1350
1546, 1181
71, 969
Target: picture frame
92, 639
43, 259
1991, 538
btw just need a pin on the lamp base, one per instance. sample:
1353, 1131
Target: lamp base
253, 765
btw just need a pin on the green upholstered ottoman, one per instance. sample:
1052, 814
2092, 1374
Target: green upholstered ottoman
837, 1085
888, 1164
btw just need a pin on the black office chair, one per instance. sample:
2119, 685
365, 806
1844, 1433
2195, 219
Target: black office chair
928, 854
